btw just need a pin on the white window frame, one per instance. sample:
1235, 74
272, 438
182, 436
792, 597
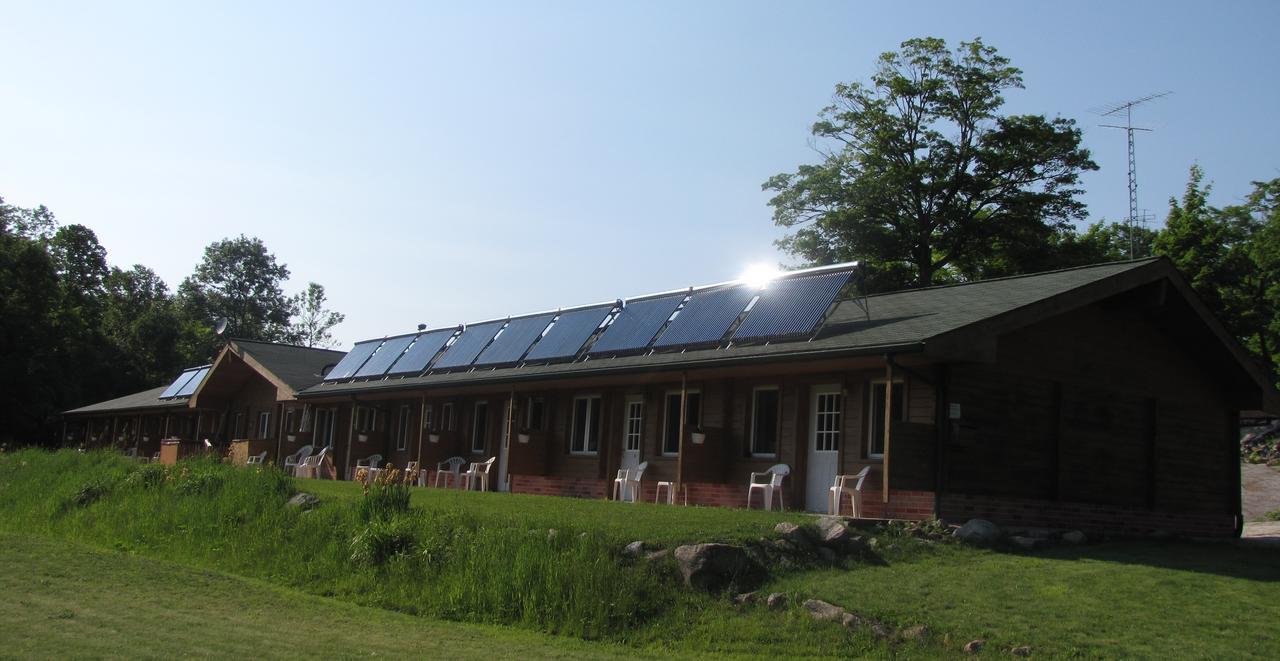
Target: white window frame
475, 416
828, 439
633, 425
264, 424
447, 417
402, 429
288, 420
777, 439
366, 419
875, 410
528, 413
587, 436
330, 418
689, 425
427, 416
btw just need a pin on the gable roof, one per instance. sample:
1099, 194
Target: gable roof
939, 320
298, 367
147, 399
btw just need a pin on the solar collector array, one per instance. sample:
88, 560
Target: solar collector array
385, 355
706, 317
468, 345
515, 340
424, 348
350, 363
570, 332
636, 325
791, 306
180, 382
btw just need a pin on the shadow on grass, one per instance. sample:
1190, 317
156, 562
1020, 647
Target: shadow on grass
1222, 559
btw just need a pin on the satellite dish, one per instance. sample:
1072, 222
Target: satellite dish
220, 327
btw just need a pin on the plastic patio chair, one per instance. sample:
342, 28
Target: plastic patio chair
292, 461
771, 486
257, 459
479, 471
627, 485
447, 469
847, 484
310, 467
372, 464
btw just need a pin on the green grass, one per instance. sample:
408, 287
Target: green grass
63, 600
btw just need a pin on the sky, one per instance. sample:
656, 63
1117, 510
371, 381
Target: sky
454, 162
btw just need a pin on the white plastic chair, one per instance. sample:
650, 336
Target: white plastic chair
372, 464
257, 459
447, 469
310, 467
770, 487
479, 471
131, 453
292, 461
847, 484
627, 485
155, 458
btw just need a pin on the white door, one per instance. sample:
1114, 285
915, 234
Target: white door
826, 410
508, 437
632, 433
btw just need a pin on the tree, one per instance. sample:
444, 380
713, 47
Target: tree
240, 280
922, 179
142, 321
313, 321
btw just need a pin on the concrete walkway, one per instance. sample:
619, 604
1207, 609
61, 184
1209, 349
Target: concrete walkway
1262, 534
1261, 490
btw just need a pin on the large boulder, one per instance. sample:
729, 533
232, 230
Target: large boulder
794, 534
979, 532
303, 501
823, 611
714, 567
1074, 537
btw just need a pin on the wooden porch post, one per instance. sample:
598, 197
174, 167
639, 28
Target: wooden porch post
422, 419
888, 425
351, 431
114, 421
684, 397
504, 460
63, 438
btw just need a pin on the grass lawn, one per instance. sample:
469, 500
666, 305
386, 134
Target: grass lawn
65, 600
1115, 600
661, 524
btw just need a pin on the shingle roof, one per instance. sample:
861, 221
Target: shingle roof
896, 320
299, 367
147, 399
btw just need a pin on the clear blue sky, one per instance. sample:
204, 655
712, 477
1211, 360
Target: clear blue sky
454, 162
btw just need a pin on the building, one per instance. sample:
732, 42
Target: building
1102, 397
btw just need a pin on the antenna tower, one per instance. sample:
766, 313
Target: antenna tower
1127, 108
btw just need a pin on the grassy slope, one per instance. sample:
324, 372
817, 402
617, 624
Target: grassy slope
65, 600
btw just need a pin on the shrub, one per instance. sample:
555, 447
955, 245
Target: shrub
88, 493
381, 540
149, 476
385, 497
1273, 515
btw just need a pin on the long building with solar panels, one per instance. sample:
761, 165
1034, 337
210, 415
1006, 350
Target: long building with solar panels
1098, 397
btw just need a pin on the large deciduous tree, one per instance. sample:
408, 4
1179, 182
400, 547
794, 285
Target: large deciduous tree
314, 321
923, 179
240, 280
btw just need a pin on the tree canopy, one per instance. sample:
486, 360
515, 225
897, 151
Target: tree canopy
240, 280
313, 321
921, 177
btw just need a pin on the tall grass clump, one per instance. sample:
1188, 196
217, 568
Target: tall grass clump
377, 549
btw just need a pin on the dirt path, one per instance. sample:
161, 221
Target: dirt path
1261, 490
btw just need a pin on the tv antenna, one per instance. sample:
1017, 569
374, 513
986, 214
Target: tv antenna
1114, 110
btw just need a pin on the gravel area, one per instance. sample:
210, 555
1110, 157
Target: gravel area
1261, 490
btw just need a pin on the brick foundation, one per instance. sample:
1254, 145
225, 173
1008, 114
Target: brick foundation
958, 508
910, 505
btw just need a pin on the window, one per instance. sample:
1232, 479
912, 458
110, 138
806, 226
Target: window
480, 427
237, 430
584, 437
446, 417
366, 419
875, 443
533, 414
264, 424
764, 421
402, 428
288, 421
827, 421
634, 424
324, 427
671, 425
427, 410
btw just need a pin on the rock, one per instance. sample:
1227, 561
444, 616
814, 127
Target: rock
823, 611
978, 532
654, 556
827, 555
745, 598
917, 633
855, 621
974, 646
776, 601
635, 549
1021, 651
1025, 543
1074, 537
714, 567
551, 534
303, 500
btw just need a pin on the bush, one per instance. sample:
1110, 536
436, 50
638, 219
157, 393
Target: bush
1273, 515
385, 497
89, 493
382, 540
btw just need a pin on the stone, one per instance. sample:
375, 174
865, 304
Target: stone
303, 500
918, 632
654, 556
1025, 543
1074, 537
776, 601
974, 646
635, 549
745, 598
823, 611
1021, 651
794, 534
979, 532
714, 567
827, 555
877, 628
551, 534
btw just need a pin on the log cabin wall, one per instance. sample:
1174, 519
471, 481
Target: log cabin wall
1098, 407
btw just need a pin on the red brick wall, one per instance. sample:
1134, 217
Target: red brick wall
577, 487
958, 508
911, 505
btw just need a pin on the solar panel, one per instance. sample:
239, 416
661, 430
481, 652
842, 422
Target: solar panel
468, 345
706, 317
178, 383
571, 331
351, 362
791, 306
191, 385
384, 356
636, 325
424, 348
515, 339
